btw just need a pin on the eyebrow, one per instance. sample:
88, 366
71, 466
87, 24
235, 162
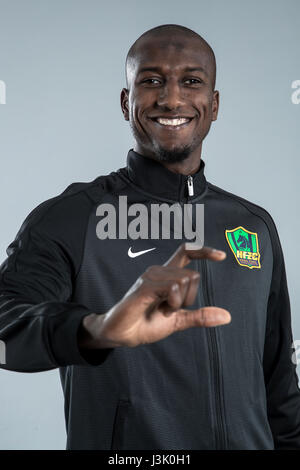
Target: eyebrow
158, 69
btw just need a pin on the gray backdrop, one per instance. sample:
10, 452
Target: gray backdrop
62, 62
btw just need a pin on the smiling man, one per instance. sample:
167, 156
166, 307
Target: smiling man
160, 344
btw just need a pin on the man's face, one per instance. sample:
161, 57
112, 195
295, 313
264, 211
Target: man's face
170, 79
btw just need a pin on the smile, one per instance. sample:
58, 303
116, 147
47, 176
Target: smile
173, 124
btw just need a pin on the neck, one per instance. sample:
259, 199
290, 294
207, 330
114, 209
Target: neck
157, 180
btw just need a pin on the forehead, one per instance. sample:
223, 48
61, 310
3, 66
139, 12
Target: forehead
171, 52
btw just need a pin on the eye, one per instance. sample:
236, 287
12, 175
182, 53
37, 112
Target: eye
151, 80
195, 80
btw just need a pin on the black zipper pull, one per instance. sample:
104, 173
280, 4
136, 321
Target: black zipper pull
190, 185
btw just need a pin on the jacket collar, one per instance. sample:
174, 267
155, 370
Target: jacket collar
154, 178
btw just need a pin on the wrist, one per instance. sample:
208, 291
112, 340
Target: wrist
89, 336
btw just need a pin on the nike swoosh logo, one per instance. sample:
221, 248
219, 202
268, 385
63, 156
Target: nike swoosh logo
138, 253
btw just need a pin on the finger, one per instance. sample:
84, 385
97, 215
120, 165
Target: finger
166, 293
173, 293
192, 289
203, 317
174, 300
187, 279
183, 255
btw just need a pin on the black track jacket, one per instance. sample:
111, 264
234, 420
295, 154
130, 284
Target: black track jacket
229, 387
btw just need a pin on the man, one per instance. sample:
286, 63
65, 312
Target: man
158, 345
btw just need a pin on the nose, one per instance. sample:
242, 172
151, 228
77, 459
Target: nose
170, 95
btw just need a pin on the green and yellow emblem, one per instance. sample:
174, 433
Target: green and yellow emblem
244, 246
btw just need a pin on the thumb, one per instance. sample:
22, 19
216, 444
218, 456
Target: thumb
203, 317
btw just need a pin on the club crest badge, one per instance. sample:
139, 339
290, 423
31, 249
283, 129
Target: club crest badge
244, 246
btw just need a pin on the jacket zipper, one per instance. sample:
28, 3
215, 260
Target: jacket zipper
212, 342
190, 185
211, 335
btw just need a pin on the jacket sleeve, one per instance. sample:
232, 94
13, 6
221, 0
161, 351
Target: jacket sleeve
283, 394
38, 321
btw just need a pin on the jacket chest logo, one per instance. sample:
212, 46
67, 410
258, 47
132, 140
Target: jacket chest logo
244, 246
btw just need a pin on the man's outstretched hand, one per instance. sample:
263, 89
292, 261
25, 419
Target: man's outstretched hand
155, 306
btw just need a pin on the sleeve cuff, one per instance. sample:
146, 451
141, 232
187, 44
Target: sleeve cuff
64, 339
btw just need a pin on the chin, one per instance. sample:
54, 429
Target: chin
173, 155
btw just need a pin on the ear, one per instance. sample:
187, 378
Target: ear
215, 105
124, 103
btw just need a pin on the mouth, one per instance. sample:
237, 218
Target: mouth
172, 124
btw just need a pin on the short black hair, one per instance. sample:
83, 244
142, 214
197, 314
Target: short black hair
171, 29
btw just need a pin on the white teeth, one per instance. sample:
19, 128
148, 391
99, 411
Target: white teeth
172, 122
